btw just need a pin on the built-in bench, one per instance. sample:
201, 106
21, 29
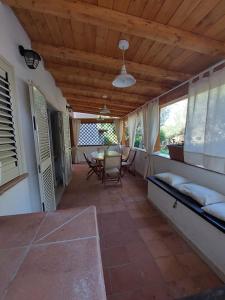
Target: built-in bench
188, 202
204, 232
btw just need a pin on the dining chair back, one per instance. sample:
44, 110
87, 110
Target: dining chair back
131, 156
129, 163
125, 152
112, 168
116, 148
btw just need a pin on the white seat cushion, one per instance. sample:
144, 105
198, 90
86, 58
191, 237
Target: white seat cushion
171, 178
216, 210
201, 194
112, 172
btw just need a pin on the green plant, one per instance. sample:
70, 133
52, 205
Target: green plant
138, 140
162, 135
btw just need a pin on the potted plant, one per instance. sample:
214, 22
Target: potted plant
176, 150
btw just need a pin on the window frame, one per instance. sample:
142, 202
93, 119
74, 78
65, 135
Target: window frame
158, 142
10, 174
139, 119
96, 145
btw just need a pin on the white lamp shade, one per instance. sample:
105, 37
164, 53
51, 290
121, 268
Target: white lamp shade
124, 79
105, 110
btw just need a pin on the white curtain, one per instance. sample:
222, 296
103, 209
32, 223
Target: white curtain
151, 131
119, 130
204, 143
76, 134
132, 123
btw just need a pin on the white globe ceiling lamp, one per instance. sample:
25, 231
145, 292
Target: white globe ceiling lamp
124, 79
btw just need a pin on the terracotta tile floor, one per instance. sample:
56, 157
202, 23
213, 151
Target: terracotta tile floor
51, 256
143, 256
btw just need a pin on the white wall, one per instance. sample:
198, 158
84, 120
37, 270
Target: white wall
200, 176
24, 197
140, 162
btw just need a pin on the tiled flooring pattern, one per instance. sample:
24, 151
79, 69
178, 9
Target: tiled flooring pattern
51, 256
143, 256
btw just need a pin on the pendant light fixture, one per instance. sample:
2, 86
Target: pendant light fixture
124, 79
104, 110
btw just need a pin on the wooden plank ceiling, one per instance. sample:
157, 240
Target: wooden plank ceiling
170, 41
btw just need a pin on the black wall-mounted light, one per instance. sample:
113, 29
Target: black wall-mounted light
69, 108
31, 57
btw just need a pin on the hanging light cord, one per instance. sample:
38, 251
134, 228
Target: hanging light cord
123, 53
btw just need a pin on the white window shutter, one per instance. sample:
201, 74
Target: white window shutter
67, 148
9, 159
43, 151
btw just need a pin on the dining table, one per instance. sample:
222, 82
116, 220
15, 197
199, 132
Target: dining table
99, 155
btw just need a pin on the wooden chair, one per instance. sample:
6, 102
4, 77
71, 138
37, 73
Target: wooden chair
94, 167
112, 168
127, 164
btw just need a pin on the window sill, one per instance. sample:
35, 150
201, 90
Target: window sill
161, 154
80, 146
139, 149
8, 185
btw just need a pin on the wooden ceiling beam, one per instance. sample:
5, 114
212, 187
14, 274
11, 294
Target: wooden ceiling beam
84, 90
95, 111
75, 73
90, 100
177, 93
96, 59
92, 120
106, 84
115, 20
99, 107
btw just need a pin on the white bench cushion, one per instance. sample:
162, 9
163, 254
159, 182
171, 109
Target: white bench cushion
217, 210
201, 194
171, 178
112, 172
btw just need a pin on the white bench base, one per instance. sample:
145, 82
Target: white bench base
206, 239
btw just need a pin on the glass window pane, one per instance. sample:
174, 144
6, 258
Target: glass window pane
97, 134
172, 124
138, 141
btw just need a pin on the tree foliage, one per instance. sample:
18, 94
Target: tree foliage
172, 123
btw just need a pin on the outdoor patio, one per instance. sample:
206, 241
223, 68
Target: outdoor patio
112, 150
143, 256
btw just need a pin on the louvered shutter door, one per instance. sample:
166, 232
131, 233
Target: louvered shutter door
43, 151
67, 148
9, 165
